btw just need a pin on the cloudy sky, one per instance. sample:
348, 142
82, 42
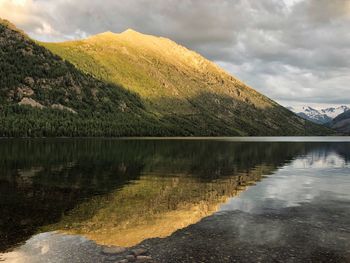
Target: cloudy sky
294, 51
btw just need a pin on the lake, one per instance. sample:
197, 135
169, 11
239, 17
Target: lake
179, 199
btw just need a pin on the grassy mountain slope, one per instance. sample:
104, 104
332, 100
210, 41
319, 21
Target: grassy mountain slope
181, 86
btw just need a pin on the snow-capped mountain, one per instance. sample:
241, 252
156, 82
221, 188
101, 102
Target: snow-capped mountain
335, 111
321, 116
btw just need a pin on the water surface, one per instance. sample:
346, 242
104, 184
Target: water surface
57, 195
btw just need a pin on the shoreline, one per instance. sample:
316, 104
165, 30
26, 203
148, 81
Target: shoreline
196, 138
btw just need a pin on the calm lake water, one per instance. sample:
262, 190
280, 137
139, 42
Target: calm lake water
186, 200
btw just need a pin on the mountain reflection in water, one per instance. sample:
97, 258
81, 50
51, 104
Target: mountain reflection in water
121, 192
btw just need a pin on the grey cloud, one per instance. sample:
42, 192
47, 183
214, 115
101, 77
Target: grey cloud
324, 11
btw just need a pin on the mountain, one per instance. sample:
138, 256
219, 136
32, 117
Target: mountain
128, 84
311, 114
180, 85
342, 123
322, 116
43, 95
333, 112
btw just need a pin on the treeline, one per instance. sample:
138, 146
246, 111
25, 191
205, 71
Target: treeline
25, 121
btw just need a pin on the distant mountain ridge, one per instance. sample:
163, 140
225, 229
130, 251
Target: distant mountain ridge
333, 112
342, 123
322, 116
128, 84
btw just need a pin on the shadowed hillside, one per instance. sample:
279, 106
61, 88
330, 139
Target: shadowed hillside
342, 123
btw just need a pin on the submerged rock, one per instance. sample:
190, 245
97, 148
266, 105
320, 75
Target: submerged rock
113, 250
143, 259
139, 251
130, 258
